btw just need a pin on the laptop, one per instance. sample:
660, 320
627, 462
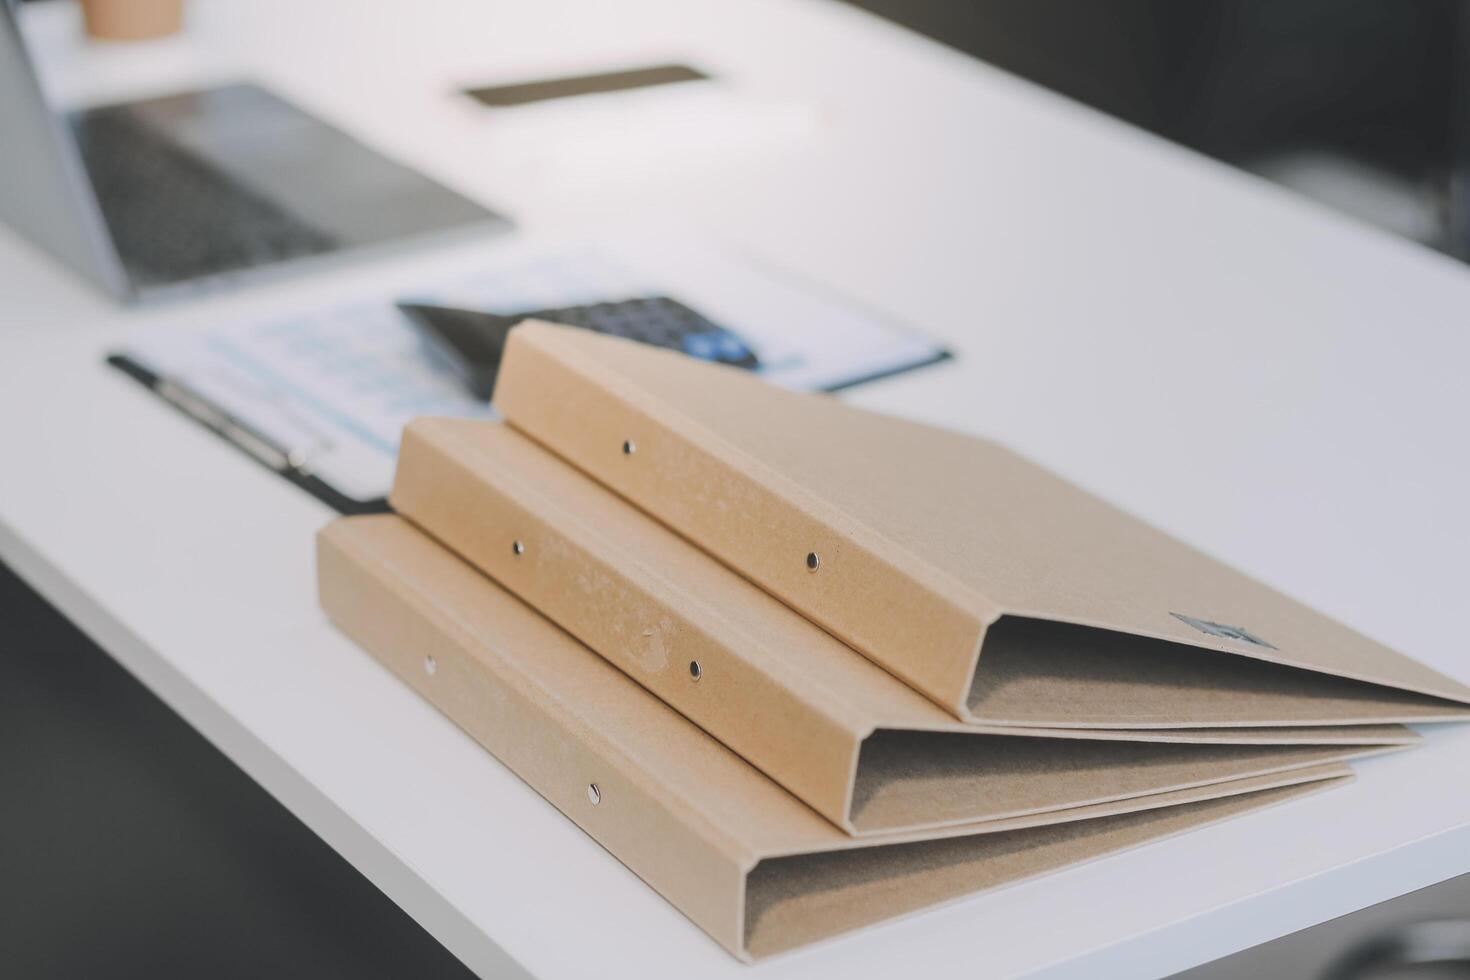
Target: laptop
201, 188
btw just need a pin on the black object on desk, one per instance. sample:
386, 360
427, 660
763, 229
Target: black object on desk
544, 89
471, 342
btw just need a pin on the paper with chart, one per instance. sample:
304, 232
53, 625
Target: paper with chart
332, 387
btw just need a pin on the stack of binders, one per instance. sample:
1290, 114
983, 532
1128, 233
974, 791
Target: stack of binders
804, 668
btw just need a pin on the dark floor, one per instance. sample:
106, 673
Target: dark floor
130, 847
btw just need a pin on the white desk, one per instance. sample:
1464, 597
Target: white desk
1273, 383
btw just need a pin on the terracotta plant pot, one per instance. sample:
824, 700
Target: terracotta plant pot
132, 20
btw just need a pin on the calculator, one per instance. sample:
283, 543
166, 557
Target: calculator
471, 342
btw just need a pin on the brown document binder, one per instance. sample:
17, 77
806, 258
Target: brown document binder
849, 739
1005, 594
743, 859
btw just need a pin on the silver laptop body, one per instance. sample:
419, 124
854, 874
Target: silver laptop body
201, 188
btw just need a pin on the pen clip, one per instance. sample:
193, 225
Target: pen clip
240, 435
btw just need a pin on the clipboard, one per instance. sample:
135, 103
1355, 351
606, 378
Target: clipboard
321, 394
279, 459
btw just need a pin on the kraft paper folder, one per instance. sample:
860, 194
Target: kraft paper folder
850, 740
1001, 592
743, 859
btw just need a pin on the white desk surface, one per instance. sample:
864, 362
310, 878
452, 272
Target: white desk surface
1267, 380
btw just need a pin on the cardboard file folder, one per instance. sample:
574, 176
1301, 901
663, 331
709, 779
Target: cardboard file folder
743, 859
852, 741
1000, 591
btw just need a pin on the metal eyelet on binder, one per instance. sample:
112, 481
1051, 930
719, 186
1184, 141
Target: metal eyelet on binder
813, 560
430, 665
629, 447
594, 795
695, 671
518, 549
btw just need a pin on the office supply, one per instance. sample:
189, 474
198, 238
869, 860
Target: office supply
840, 733
471, 342
640, 133
332, 385
759, 872
194, 188
541, 90
1000, 591
290, 461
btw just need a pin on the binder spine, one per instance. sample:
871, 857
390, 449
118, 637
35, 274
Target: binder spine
843, 577
628, 613
537, 736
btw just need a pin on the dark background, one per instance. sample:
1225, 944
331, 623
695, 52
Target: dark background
1354, 102
1237, 79
130, 847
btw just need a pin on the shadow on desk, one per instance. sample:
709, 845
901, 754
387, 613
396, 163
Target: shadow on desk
133, 848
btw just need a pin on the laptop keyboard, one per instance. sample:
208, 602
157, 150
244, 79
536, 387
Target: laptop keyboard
173, 216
